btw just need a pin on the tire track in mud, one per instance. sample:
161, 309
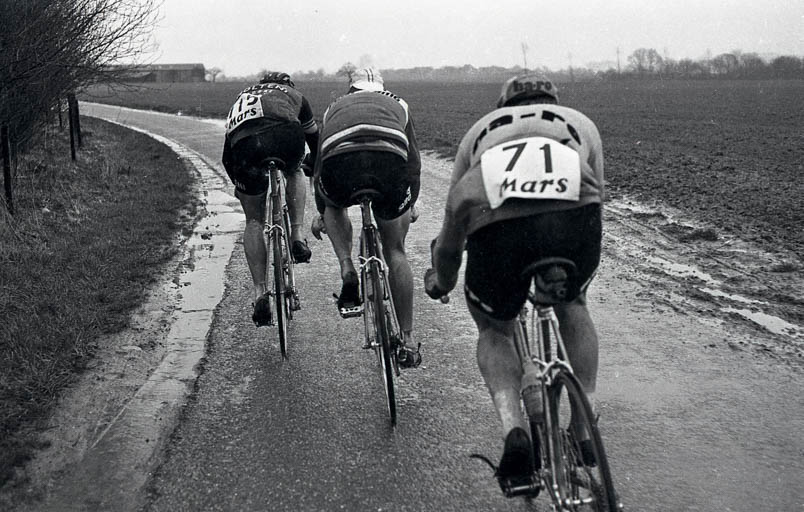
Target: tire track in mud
694, 268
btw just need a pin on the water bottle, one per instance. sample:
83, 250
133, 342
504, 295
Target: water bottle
532, 393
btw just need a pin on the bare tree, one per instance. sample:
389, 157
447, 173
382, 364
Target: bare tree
51, 47
346, 70
645, 60
214, 72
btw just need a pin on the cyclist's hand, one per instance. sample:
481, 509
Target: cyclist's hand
307, 166
414, 214
431, 286
318, 227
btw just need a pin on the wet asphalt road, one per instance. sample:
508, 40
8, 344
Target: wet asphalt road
687, 427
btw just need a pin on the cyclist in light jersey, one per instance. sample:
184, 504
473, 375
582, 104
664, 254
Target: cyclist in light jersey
527, 183
368, 141
269, 119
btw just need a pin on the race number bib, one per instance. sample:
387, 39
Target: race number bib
531, 168
248, 106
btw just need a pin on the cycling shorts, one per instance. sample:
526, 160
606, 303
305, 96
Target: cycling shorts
498, 253
344, 174
283, 141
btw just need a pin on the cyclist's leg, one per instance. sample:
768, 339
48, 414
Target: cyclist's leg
296, 194
495, 292
337, 224
500, 367
400, 193
502, 372
254, 240
251, 189
393, 233
339, 230
580, 339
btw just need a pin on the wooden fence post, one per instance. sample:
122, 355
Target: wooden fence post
71, 115
73, 104
5, 149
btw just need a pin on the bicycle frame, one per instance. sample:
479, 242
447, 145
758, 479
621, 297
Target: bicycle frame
371, 251
544, 361
285, 293
545, 324
379, 316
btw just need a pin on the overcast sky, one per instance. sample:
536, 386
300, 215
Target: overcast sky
244, 36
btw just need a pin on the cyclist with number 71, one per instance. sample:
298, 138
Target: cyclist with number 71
527, 183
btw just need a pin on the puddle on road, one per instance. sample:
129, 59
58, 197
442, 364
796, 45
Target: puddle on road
772, 323
712, 286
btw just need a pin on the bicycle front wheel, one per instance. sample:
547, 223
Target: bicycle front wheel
281, 289
580, 470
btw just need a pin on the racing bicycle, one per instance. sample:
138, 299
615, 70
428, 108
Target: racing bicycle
285, 293
571, 462
382, 331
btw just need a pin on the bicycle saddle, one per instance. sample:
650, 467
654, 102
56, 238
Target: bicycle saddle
278, 162
555, 280
370, 193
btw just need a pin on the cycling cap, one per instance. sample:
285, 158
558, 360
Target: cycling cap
526, 86
367, 79
276, 77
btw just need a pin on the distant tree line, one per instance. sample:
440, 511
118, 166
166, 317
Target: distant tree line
642, 63
736, 64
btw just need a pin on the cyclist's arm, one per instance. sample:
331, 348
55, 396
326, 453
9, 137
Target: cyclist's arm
310, 128
414, 164
448, 250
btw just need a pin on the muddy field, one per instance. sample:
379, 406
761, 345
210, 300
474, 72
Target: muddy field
729, 152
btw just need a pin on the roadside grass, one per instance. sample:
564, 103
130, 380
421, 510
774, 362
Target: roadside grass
76, 259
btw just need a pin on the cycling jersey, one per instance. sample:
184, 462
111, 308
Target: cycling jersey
524, 160
264, 106
370, 121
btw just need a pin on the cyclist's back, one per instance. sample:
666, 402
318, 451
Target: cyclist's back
368, 141
471, 200
270, 119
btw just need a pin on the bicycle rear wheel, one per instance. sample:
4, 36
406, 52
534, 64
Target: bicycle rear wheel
581, 474
376, 321
281, 292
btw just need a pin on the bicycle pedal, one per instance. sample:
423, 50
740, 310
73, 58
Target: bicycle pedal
529, 488
351, 312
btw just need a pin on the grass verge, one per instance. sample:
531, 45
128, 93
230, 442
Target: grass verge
86, 241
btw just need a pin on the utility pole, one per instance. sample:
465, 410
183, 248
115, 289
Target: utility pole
525, 55
572, 75
618, 60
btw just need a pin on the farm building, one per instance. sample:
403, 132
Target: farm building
166, 73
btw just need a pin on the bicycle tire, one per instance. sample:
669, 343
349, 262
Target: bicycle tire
280, 293
578, 486
292, 298
383, 340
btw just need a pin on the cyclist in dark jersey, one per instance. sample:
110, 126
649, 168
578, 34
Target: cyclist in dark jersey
269, 119
368, 141
527, 184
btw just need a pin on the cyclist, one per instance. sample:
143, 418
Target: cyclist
527, 183
368, 141
269, 119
